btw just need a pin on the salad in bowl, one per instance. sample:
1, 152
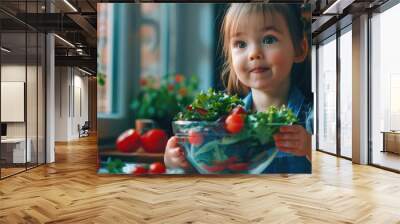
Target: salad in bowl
220, 137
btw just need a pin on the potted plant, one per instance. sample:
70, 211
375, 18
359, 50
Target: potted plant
160, 99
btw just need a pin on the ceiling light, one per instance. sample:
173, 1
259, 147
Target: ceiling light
70, 5
84, 71
338, 6
65, 41
5, 49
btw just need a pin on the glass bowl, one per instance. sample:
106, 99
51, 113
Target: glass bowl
210, 149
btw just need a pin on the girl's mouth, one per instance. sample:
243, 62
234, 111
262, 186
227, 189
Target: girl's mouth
259, 70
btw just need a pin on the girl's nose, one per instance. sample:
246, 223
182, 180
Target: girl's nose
256, 53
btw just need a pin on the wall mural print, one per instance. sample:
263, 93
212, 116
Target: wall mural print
204, 88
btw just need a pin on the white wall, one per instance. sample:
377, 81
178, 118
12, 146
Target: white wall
61, 103
33, 127
71, 87
16, 73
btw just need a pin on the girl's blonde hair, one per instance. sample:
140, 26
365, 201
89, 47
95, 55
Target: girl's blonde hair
238, 12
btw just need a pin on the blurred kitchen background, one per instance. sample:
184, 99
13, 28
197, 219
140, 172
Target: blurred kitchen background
136, 41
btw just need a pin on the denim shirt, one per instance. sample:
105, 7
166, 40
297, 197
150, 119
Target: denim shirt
286, 162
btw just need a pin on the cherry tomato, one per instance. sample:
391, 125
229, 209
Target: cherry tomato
213, 169
139, 170
128, 141
154, 141
157, 168
234, 123
201, 111
238, 110
238, 166
195, 138
231, 159
189, 108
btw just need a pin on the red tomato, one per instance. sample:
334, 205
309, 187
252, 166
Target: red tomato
189, 108
156, 168
128, 141
195, 138
238, 166
234, 123
139, 170
238, 110
213, 169
154, 141
201, 111
231, 159
228, 161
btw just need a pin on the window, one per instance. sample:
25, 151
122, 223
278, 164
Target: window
346, 93
327, 95
385, 87
104, 52
112, 38
154, 32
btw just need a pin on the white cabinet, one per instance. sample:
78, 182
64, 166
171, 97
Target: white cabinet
17, 147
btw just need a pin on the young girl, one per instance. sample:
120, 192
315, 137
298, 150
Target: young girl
266, 51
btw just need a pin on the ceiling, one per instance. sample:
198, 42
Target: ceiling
76, 22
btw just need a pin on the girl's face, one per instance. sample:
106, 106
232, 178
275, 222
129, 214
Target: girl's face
262, 52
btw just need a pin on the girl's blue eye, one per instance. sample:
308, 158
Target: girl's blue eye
268, 40
239, 44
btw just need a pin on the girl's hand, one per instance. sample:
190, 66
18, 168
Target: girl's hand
294, 139
174, 156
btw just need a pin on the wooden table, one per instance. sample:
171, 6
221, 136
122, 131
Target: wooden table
391, 141
139, 156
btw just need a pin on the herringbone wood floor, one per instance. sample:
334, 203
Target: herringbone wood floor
70, 191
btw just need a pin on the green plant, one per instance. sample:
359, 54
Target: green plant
161, 99
101, 79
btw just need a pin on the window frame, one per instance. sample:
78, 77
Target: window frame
333, 37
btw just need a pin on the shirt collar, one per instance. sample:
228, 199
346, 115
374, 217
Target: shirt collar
295, 101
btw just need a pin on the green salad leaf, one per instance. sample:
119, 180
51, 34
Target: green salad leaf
263, 125
209, 106
251, 143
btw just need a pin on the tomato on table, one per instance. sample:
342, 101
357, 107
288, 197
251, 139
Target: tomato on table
154, 141
157, 168
128, 141
139, 170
